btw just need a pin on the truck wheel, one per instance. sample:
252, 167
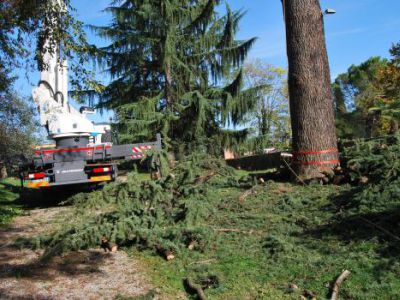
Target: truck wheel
115, 174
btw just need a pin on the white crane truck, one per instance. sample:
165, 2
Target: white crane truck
80, 154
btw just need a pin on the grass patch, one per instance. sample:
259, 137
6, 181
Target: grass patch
9, 195
286, 234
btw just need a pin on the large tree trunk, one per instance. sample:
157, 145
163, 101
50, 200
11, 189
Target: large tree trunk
311, 102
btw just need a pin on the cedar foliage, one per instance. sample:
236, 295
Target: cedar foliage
167, 60
167, 214
374, 165
282, 234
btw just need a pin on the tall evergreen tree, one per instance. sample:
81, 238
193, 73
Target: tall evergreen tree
167, 60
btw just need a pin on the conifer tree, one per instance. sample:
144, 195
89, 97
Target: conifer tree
167, 60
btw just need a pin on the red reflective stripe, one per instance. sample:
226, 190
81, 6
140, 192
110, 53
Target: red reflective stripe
323, 162
332, 150
140, 149
71, 150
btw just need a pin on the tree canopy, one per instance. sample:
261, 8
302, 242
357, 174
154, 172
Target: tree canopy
270, 116
367, 97
167, 60
17, 128
24, 28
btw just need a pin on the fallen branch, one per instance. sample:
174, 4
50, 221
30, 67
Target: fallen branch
205, 178
336, 286
249, 192
195, 287
381, 228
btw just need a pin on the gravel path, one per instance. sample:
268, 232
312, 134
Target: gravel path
90, 274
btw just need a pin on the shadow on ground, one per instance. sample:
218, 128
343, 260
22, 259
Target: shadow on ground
44, 198
71, 264
379, 229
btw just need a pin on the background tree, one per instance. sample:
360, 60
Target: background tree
22, 22
167, 60
390, 79
390, 75
311, 103
358, 89
17, 130
371, 92
270, 116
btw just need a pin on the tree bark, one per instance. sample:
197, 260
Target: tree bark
311, 101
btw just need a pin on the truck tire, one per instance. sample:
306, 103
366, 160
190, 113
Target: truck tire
115, 174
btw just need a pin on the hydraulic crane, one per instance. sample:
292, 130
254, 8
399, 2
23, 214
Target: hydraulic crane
81, 155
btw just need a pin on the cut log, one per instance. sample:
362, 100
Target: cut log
166, 253
107, 245
169, 255
192, 245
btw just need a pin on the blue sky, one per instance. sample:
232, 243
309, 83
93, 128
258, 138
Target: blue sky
360, 29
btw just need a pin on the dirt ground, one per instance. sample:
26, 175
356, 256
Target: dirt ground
91, 274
